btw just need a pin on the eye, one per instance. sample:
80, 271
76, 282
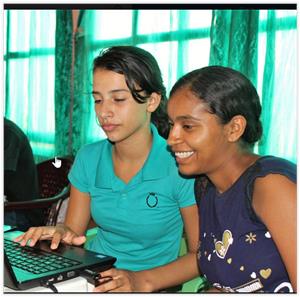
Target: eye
97, 101
187, 127
119, 99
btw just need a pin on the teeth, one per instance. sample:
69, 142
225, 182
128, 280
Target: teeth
183, 155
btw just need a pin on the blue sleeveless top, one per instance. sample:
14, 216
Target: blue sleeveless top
237, 252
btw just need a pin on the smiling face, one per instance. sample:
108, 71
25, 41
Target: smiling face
118, 113
197, 138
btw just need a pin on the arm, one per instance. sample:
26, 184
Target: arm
78, 213
177, 272
77, 219
274, 201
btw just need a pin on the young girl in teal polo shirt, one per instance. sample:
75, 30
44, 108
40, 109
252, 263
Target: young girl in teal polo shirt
129, 183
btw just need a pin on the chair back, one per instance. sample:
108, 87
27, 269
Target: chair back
53, 180
54, 188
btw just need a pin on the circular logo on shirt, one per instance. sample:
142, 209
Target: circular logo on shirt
152, 200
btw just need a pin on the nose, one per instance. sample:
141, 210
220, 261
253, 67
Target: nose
104, 110
174, 136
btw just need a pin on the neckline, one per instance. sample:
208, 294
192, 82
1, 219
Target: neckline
220, 195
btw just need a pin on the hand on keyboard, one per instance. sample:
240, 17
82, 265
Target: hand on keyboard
34, 260
56, 233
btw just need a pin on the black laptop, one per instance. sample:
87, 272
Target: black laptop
28, 267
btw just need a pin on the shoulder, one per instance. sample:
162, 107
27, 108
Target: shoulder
85, 164
274, 184
92, 149
89, 155
13, 133
266, 170
273, 165
272, 174
267, 178
276, 187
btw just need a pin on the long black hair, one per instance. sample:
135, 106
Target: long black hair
227, 93
142, 75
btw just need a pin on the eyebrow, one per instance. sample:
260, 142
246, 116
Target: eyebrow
187, 117
111, 92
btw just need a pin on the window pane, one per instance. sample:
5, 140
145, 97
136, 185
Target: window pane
38, 24
261, 62
156, 21
197, 54
4, 35
18, 97
19, 30
112, 24
166, 56
285, 97
45, 23
263, 14
34, 96
200, 18
42, 98
285, 13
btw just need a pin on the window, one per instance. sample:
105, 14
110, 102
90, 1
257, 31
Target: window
283, 135
178, 38
30, 73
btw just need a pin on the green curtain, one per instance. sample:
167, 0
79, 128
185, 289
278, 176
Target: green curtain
82, 107
234, 37
72, 104
64, 99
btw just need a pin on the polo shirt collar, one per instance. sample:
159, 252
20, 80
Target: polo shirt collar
151, 170
105, 169
155, 166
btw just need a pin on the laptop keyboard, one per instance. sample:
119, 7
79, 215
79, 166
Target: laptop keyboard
34, 260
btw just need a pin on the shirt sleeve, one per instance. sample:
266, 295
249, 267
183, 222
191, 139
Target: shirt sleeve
184, 191
77, 175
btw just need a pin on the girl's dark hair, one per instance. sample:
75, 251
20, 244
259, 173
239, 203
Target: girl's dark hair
227, 93
142, 75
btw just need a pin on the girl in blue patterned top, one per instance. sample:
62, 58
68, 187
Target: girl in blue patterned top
247, 203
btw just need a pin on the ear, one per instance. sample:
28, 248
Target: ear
153, 102
235, 128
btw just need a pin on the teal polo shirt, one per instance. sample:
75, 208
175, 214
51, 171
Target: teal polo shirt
139, 222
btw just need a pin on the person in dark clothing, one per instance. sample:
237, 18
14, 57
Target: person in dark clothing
247, 203
20, 177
